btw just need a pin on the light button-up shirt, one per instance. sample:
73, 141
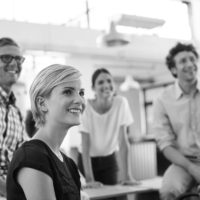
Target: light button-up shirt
177, 120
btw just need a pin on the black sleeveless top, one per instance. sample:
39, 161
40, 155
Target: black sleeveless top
37, 155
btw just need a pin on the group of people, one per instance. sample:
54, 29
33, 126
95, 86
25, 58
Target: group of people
38, 169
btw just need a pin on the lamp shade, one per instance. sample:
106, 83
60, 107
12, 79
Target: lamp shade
129, 83
113, 38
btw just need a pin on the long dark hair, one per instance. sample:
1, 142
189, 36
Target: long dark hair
97, 73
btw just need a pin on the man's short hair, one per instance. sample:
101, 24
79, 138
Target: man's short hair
5, 41
179, 47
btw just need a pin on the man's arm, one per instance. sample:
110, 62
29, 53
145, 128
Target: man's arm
179, 159
2, 187
174, 156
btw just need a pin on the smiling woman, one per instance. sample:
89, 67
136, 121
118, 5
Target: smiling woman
104, 134
57, 101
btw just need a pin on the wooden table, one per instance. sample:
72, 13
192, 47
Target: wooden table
150, 185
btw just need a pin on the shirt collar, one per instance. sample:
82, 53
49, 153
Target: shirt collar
8, 99
179, 92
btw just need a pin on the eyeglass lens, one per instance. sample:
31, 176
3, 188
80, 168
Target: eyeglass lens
8, 59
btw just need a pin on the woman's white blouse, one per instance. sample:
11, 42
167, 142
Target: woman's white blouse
103, 129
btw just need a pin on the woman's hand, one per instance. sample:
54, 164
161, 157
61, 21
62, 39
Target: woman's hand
84, 196
130, 182
92, 184
194, 170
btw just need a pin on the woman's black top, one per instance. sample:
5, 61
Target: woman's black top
37, 155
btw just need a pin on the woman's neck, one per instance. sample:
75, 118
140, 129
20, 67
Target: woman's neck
104, 101
52, 136
102, 105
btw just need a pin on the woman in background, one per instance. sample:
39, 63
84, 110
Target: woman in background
104, 131
38, 169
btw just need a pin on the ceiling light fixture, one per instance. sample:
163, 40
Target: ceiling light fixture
129, 83
113, 38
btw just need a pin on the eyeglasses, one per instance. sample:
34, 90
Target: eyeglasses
7, 59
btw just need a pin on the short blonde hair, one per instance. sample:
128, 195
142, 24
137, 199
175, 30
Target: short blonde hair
44, 83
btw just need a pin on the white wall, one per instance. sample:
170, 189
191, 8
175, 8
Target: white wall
144, 56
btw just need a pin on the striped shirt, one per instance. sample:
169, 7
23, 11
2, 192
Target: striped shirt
11, 130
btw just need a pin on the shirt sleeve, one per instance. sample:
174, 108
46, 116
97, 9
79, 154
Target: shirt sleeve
161, 126
20, 128
35, 160
127, 118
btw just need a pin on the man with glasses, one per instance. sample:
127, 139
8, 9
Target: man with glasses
11, 124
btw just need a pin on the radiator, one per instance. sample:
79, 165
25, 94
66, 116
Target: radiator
143, 160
